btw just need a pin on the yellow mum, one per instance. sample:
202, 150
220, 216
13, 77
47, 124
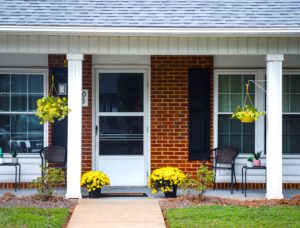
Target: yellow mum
164, 178
94, 179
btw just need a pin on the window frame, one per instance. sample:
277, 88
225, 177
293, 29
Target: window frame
259, 142
290, 72
40, 71
260, 124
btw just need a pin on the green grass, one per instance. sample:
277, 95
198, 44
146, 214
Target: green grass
234, 216
33, 217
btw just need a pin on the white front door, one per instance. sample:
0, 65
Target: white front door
122, 129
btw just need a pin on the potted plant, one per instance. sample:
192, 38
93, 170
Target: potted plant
1, 156
52, 107
14, 155
94, 181
256, 160
247, 114
250, 161
166, 180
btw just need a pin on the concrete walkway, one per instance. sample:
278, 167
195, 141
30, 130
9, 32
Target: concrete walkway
117, 213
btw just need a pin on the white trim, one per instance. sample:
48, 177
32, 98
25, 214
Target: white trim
24, 70
133, 31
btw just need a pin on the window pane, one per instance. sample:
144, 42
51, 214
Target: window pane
295, 102
4, 102
236, 100
4, 132
223, 103
236, 141
19, 102
18, 83
223, 140
223, 84
235, 126
291, 134
295, 83
35, 83
32, 99
285, 84
240, 135
20, 132
121, 135
4, 83
248, 143
121, 92
285, 102
236, 84
223, 124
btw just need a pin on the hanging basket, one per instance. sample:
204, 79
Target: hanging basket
247, 119
248, 113
53, 107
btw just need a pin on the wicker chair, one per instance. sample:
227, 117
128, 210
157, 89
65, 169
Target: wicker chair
225, 156
55, 156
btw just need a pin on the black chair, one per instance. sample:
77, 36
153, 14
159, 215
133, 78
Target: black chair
225, 156
55, 156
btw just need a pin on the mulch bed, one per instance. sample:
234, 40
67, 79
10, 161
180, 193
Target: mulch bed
188, 201
10, 200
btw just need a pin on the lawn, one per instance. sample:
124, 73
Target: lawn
234, 216
33, 217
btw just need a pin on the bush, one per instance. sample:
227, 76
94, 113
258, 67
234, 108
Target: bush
45, 184
204, 178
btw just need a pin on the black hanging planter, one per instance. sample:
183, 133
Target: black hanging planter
95, 194
173, 193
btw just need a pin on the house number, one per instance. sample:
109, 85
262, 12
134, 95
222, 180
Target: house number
85, 98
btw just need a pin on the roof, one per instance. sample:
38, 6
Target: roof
152, 13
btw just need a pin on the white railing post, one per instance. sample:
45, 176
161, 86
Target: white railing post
274, 126
74, 125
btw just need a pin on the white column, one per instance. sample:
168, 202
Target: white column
74, 125
274, 126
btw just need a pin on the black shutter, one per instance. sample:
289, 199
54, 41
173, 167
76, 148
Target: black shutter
199, 118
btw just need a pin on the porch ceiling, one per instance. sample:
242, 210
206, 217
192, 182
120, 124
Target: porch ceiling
148, 45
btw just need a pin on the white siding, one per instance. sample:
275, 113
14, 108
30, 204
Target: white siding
143, 45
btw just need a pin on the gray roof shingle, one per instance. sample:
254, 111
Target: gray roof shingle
152, 13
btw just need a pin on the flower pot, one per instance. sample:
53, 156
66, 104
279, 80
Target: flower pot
256, 162
173, 193
14, 160
247, 119
1, 160
95, 194
249, 164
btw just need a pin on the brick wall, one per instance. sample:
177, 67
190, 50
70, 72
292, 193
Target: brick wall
87, 116
169, 110
59, 61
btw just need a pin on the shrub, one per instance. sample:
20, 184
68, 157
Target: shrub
204, 178
45, 184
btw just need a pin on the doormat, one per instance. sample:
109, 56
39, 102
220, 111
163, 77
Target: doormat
124, 194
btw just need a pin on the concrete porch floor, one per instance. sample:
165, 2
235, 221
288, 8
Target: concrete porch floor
251, 193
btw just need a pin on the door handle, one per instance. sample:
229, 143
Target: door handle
96, 129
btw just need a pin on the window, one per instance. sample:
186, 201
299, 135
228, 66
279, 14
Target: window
19, 127
231, 93
291, 113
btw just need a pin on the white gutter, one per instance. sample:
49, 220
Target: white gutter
130, 31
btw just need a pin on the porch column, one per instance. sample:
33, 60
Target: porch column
274, 126
74, 125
